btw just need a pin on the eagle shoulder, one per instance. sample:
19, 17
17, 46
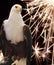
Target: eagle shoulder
27, 32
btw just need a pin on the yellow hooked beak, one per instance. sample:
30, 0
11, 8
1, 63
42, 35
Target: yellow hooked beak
18, 8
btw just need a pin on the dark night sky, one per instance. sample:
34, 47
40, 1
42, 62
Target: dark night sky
5, 6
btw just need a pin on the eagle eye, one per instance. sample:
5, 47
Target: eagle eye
16, 7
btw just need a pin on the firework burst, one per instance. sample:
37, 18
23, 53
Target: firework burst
42, 16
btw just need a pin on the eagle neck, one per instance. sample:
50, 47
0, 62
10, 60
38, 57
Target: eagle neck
16, 17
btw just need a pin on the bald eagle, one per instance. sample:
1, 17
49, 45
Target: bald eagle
15, 37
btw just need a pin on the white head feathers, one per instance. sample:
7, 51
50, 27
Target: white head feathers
16, 8
15, 13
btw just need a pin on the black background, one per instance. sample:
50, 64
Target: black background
5, 6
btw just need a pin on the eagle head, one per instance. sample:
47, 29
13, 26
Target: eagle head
16, 8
